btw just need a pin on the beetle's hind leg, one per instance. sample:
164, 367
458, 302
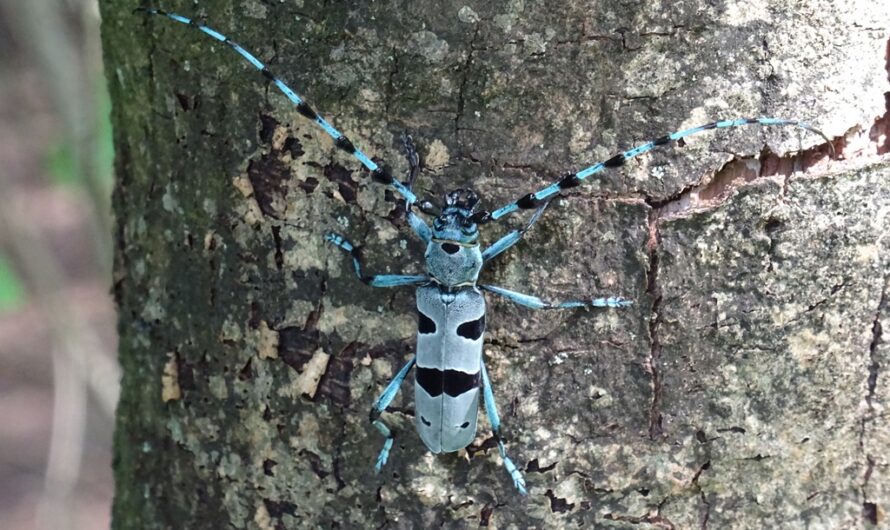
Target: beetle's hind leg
380, 406
491, 410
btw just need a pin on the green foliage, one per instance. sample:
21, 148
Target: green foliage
60, 165
61, 162
12, 295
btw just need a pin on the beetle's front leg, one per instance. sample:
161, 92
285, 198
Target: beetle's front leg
376, 280
417, 224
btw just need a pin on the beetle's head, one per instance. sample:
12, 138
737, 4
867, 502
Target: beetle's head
459, 218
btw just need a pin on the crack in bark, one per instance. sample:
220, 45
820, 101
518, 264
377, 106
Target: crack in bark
877, 338
464, 80
706, 506
706, 512
390, 89
870, 510
653, 518
713, 192
654, 291
706, 195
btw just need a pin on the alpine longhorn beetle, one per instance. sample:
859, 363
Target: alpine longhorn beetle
450, 305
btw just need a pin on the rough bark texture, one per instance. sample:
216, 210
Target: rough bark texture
746, 388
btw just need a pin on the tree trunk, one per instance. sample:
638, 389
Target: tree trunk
746, 387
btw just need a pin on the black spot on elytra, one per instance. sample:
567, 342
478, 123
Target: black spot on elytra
430, 380
425, 421
464, 425
452, 382
473, 329
425, 324
343, 178
457, 382
450, 248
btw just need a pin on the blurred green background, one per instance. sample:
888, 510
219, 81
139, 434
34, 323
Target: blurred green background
58, 374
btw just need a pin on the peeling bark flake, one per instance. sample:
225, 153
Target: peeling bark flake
307, 382
170, 380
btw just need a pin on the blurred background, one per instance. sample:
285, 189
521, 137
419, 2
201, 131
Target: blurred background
58, 374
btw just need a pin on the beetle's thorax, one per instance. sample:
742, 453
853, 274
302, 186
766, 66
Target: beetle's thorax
453, 257
453, 263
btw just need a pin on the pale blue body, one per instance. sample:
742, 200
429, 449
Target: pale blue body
450, 359
447, 423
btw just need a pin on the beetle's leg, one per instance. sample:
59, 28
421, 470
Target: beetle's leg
513, 237
380, 405
377, 280
417, 224
491, 410
534, 302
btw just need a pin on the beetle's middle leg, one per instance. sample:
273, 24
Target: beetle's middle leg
514, 236
380, 406
533, 302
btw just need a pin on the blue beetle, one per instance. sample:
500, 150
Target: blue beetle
449, 365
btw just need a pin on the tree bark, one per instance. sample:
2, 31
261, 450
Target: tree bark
747, 386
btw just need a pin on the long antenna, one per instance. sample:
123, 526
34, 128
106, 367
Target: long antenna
378, 173
533, 200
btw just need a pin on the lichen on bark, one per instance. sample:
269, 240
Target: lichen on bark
746, 388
